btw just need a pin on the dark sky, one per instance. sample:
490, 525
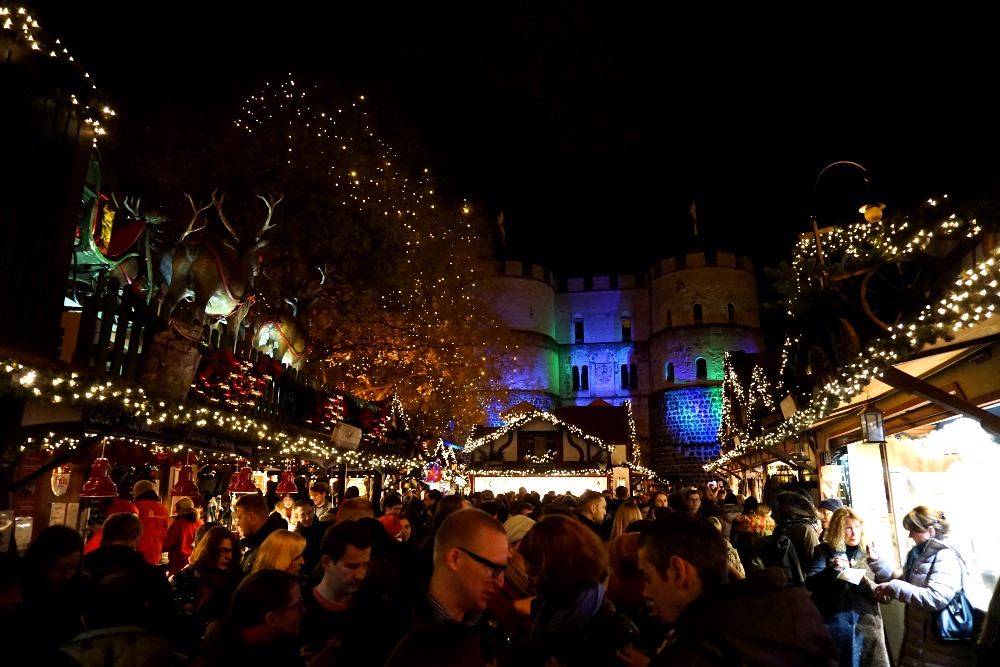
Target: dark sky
593, 126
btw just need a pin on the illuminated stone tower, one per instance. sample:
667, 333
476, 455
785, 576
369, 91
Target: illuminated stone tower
657, 340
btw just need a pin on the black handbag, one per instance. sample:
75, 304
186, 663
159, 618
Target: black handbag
955, 621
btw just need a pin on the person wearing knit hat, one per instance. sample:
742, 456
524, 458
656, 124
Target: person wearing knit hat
179, 541
826, 509
517, 526
392, 524
510, 604
155, 518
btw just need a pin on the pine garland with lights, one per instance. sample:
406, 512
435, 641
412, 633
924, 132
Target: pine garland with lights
970, 300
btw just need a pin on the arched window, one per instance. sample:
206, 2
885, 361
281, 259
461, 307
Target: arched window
585, 379
578, 331
731, 312
624, 375
701, 369
670, 319
633, 377
697, 312
670, 371
576, 378
626, 328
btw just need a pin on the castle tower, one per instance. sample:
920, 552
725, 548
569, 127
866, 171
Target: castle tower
524, 298
702, 305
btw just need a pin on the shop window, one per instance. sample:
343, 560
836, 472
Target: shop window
701, 369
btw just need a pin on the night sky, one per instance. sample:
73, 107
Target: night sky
594, 126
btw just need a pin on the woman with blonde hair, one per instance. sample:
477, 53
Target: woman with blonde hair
626, 514
572, 619
849, 609
282, 550
930, 578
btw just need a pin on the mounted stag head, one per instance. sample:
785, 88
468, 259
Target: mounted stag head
283, 334
217, 274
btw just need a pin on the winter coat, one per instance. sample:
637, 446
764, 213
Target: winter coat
179, 541
850, 611
932, 581
753, 622
154, 517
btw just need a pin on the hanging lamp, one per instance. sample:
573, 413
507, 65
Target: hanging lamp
242, 481
100, 484
872, 425
287, 483
186, 486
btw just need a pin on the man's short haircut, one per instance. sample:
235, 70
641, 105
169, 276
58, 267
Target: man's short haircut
392, 500
320, 487
588, 497
691, 491
621, 492
253, 503
121, 527
462, 527
435, 495
690, 537
353, 509
304, 504
339, 535
352, 492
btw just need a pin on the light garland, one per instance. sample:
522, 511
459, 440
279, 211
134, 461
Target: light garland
519, 419
971, 301
24, 28
272, 443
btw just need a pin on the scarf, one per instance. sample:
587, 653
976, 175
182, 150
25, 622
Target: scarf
553, 618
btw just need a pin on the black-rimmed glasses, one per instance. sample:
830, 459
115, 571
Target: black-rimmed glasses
495, 568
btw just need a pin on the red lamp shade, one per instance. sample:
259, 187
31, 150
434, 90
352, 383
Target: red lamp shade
242, 482
185, 486
99, 484
287, 484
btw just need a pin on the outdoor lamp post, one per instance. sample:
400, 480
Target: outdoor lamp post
872, 425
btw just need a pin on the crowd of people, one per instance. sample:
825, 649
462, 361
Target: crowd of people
514, 579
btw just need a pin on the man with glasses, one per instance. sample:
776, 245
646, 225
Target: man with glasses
470, 557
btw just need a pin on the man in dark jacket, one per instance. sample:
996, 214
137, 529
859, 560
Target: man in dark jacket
753, 621
255, 522
119, 540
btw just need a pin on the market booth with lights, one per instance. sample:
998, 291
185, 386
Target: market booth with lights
908, 415
542, 452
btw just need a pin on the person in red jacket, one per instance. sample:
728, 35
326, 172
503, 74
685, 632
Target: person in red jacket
154, 520
179, 542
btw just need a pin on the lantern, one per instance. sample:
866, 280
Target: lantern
186, 486
100, 484
872, 425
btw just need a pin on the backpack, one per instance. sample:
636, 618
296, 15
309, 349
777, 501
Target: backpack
777, 550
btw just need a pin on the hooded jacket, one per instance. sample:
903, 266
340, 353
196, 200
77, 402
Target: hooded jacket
766, 624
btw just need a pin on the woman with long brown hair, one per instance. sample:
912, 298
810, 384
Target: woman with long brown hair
204, 588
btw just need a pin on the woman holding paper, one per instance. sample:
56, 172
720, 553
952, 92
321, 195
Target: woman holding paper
842, 580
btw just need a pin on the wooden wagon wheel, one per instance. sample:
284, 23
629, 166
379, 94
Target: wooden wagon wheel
892, 290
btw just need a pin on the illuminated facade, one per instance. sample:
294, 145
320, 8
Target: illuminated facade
657, 340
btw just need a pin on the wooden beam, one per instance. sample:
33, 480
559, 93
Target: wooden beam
905, 382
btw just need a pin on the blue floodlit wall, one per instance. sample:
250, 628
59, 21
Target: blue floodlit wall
689, 416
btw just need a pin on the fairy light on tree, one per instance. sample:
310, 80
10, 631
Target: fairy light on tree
398, 317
